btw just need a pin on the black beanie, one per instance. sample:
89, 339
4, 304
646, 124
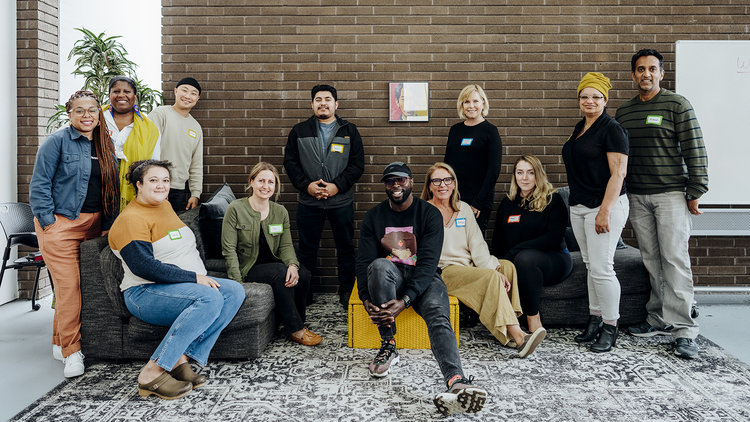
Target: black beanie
189, 81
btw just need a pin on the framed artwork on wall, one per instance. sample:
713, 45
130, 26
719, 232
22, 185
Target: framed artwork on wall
408, 101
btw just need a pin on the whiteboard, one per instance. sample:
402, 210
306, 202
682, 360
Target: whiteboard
715, 77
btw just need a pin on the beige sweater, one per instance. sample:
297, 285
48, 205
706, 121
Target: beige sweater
463, 243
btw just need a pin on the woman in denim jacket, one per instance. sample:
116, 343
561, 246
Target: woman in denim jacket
74, 194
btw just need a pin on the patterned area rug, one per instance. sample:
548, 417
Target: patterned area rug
641, 380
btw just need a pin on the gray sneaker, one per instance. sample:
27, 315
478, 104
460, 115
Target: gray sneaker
645, 329
461, 397
530, 342
685, 348
387, 356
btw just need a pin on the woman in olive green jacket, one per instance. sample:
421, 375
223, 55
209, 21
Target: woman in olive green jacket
256, 241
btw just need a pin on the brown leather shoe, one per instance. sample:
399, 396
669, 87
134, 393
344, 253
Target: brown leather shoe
307, 338
166, 387
184, 372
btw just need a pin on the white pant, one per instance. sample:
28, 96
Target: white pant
598, 253
662, 224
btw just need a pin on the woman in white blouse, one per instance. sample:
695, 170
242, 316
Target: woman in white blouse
479, 280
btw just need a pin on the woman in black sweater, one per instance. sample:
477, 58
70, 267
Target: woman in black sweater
529, 230
474, 150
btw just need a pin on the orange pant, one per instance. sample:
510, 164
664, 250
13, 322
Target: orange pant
60, 246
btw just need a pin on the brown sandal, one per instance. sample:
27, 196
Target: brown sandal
184, 372
166, 387
307, 338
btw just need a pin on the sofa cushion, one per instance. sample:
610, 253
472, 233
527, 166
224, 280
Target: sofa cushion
211, 217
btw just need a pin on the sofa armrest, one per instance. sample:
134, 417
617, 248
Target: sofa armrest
101, 328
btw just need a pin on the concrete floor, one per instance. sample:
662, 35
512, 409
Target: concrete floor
31, 372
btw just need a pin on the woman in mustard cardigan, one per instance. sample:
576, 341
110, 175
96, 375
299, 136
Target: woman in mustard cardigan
256, 241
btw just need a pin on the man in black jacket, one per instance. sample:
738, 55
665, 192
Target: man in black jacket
324, 158
397, 266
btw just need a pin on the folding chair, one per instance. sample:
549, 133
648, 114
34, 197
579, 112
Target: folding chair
17, 222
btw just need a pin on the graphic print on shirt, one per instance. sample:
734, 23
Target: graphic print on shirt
402, 243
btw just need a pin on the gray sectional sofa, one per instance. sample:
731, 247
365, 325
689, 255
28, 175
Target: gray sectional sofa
109, 331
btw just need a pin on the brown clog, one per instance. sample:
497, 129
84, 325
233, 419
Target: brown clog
166, 387
307, 338
184, 372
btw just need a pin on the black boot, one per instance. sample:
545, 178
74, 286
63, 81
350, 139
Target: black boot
606, 340
595, 325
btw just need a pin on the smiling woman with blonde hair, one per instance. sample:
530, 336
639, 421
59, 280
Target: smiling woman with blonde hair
479, 280
256, 241
529, 228
474, 150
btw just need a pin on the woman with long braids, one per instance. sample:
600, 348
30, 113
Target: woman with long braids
74, 194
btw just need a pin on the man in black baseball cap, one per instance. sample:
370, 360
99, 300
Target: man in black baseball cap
390, 278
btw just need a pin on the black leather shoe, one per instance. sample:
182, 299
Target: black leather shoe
590, 333
606, 340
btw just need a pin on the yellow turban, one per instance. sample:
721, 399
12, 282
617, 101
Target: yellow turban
597, 81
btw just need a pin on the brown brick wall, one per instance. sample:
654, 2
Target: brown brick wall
257, 63
37, 65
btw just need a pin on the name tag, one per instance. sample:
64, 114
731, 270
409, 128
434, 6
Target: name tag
460, 222
337, 148
174, 235
275, 228
653, 120
514, 218
193, 134
466, 142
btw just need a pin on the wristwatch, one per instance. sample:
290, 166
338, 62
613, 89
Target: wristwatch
407, 301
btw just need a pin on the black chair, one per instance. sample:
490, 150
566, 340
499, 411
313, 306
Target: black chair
17, 222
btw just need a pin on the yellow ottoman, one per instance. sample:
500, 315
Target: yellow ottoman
411, 329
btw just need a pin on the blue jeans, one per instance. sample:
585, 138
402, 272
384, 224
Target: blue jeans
194, 313
386, 281
310, 223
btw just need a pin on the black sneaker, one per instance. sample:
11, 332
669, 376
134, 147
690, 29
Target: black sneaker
461, 397
387, 356
685, 348
645, 329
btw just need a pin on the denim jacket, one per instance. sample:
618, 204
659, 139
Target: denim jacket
61, 177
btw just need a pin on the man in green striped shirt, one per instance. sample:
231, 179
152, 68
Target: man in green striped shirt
667, 174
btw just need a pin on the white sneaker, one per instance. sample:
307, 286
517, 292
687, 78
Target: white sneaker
57, 353
74, 365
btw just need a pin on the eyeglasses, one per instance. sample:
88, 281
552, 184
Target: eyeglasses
80, 112
447, 180
395, 180
595, 97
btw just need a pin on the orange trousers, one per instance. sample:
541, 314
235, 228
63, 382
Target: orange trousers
60, 247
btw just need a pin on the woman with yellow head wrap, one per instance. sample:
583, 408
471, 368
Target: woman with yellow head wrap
596, 160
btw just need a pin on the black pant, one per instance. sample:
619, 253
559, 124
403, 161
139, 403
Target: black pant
310, 223
178, 198
535, 269
290, 301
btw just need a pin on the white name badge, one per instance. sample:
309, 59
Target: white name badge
514, 218
275, 228
174, 235
653, 120
193, 134
466, 142
337, 148
460, 222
